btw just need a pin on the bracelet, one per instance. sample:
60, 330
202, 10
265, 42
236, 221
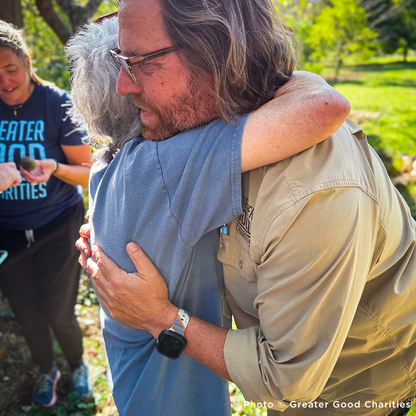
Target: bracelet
57, 166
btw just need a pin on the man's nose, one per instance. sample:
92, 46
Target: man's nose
125, 84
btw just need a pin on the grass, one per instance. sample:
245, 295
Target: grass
383, 102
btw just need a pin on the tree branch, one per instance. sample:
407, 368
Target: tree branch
46, 10
78, 15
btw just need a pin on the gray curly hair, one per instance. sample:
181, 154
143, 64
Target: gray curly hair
111, 120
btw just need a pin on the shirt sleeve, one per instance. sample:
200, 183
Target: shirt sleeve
201, 171
315, 261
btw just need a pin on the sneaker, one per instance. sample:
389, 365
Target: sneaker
45, 391
80, 380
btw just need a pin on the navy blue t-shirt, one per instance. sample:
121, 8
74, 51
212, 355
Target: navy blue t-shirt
37, 129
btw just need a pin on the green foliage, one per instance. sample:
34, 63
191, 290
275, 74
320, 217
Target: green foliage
299, 16
47, 52
395, 23
72, 407
384, 104
341, 29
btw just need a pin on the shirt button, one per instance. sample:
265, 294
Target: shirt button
241, 264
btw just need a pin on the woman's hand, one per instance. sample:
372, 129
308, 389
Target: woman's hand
42, 173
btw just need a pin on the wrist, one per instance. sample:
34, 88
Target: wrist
165, 321
56, 167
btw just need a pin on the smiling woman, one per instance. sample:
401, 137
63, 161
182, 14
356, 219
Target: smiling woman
15, 81
40, 217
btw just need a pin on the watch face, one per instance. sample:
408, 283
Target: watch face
170, 344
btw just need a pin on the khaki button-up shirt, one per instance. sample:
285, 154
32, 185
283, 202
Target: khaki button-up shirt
320, 274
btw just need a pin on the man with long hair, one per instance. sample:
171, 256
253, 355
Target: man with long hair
171, 189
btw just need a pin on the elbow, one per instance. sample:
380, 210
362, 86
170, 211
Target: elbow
336, 109
331, 109
341, 107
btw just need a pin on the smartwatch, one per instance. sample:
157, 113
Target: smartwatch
171, 342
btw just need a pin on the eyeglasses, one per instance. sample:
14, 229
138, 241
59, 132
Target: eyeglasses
127, 63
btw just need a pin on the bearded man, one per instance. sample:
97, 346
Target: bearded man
172, 195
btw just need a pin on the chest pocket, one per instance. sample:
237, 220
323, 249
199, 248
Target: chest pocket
240, 272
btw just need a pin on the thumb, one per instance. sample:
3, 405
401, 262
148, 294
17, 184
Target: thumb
142, 263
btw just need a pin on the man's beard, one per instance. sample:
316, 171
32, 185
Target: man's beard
187, 111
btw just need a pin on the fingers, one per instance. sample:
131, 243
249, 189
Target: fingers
89, 265
92, 268
143, 265
27, 175
108, 269
36, 176
82, 260
17, 178
10, 164
83, 246
84, 231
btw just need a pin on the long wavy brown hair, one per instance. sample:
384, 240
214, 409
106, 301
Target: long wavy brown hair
240, 44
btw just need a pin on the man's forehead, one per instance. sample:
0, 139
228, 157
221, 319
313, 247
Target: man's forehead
141, 26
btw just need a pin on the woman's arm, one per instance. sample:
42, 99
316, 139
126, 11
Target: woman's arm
304, 112
75, 171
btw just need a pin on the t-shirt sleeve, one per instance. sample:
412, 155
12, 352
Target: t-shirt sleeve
201, 171
72, 131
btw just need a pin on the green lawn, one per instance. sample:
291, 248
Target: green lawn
383, 102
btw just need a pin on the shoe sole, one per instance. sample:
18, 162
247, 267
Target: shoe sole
54, 397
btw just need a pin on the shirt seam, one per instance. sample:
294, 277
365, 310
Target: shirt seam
236, 170
168, 194
385, 331
290, 204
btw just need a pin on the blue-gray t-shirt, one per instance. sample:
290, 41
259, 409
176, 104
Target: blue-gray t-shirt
170, 197
37, 129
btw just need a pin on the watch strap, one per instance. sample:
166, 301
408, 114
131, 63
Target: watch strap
181, 322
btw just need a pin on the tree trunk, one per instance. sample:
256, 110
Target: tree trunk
46, 10
78, 15
11, 12
405, 51
338, 61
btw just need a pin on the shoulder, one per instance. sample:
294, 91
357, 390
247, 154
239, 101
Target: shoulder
202, 144
54, 93
341, 160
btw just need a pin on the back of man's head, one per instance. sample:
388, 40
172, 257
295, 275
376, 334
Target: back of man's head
111, 119
240, 44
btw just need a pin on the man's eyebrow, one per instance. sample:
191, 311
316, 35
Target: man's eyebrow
130, 53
